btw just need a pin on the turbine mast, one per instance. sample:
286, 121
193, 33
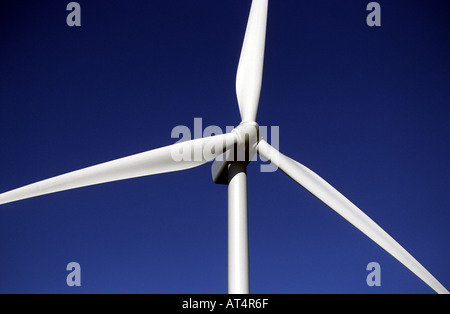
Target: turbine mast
238, 269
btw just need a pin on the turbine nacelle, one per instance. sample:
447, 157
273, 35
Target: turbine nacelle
248, 138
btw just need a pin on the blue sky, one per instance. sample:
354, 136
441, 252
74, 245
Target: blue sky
365, 108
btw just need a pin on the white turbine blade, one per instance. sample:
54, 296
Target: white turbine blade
171, 158
250, 69
339, 203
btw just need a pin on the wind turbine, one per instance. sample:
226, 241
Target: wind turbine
240, 145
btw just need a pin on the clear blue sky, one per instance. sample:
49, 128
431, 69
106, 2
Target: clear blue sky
366, 108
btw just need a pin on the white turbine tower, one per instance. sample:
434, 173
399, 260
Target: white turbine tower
240, 144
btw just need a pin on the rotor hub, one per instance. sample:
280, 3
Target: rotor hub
248, 134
